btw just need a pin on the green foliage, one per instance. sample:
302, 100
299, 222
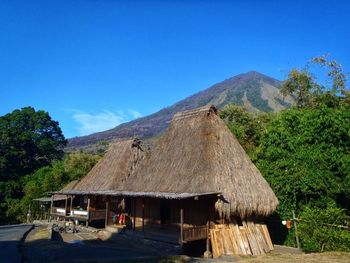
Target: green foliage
304, 155
29, 140
45, 179
78, 164
51, 178
247, 128
320, 229
302, 85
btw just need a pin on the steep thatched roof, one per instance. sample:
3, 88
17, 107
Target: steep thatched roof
111, 172
199, 154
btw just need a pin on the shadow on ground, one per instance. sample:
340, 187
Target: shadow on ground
118, 248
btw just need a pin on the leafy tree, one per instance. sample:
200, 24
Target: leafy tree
51, 178
320, 229
302, 85
247, 127
46, 179
78, 164
304, 155
29, 139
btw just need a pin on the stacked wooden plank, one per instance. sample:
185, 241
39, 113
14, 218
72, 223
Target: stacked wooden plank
249, 239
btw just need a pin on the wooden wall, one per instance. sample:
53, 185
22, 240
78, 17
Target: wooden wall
157, 211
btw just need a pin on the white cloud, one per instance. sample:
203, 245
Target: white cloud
95, 122
135, 114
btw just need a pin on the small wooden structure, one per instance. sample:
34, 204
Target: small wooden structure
197, 183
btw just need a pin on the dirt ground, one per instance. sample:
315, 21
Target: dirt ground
38, 248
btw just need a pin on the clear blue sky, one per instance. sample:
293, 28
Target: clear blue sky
93, 64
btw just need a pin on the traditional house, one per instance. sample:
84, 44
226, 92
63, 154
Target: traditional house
197, 177
89, 198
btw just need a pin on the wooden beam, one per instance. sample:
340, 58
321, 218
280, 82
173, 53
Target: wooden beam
143, 215
107, 212
88, 212
51, 205
65, 207
134, 212
207, 245
181, 225
71, 205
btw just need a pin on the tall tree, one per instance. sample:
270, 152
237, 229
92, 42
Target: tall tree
302, 85
29, 140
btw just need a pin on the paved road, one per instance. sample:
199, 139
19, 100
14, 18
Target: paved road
10, 240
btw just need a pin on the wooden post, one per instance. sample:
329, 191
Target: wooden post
134, 226
207, 245
51, 205
65, 208
181, 225
296, 229
143, 215
71, 205
107, 212
88, 212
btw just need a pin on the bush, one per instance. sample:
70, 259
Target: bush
319, 229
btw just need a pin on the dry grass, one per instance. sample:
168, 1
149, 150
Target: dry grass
334, 257
111, 172
199, 154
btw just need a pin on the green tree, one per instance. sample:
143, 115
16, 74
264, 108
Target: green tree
29, 140
48, 179
247, 127
78, 164
323, 229
305, 156
302, 85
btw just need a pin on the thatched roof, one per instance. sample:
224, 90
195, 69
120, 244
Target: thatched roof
111, 172
199, 154
68, 187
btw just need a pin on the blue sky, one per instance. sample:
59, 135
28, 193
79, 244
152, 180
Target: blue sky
95, 64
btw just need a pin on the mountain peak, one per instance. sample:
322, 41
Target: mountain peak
253, 90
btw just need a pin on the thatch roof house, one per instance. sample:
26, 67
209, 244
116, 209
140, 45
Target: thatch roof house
87, 198
111, 172
197, 176
199, 154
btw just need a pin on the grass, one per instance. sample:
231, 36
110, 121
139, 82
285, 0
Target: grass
334, 257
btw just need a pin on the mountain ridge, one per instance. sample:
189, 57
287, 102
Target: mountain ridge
253, 90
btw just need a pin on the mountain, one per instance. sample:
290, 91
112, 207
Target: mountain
255, 91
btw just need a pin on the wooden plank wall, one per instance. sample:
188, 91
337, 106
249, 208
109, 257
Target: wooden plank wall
249, 239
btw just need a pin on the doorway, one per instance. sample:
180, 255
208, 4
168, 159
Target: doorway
164, 211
